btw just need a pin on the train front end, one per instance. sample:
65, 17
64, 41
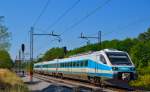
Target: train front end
122, 67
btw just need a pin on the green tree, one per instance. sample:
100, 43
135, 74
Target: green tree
140, 54
53, 54
5, 60
145, 36
4, 36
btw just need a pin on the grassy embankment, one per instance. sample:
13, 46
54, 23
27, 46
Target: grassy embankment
143, 80
10, 82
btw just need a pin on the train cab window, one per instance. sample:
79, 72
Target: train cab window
102, 59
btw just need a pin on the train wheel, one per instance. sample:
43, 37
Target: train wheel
92, 80
61, 76
101, 83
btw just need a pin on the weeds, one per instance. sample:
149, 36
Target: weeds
10, 82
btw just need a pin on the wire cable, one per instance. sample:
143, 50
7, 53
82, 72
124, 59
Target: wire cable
64, 14
41, 13
86, 16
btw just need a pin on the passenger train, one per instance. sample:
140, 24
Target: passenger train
105, 65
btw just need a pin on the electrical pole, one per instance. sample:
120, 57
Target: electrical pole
31, 54
92, 37
31, 44
99, 39
32, 34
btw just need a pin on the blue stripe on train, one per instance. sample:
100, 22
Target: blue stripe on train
108, 75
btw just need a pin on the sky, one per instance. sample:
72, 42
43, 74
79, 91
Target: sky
117, 19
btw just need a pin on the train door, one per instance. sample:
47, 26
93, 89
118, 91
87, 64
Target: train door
57, 66
70, 67
100, 58
96, 63
71, 64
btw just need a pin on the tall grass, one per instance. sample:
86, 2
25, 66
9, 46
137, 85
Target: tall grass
10, 82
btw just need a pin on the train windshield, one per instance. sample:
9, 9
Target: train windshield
118, 58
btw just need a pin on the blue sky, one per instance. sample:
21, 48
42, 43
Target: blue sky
118, 19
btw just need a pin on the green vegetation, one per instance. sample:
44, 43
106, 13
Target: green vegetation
9, 82
53, 53
138, 48
4, 36
5, 60
143, 81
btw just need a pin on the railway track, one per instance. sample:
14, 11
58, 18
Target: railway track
78, 86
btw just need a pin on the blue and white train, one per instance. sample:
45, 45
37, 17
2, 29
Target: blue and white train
107, 64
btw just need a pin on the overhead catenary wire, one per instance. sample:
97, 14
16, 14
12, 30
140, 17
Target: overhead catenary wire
69, 9
41, 13
86, 16
63, 14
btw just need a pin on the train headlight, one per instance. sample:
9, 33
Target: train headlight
114, 68
132, 68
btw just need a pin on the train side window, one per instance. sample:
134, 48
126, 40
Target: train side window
62, 64
78, 63
74, 64
50, 66
102, 59
86, 63
82, 63
70, 64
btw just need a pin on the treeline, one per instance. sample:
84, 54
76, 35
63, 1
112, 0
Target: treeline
138, 48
